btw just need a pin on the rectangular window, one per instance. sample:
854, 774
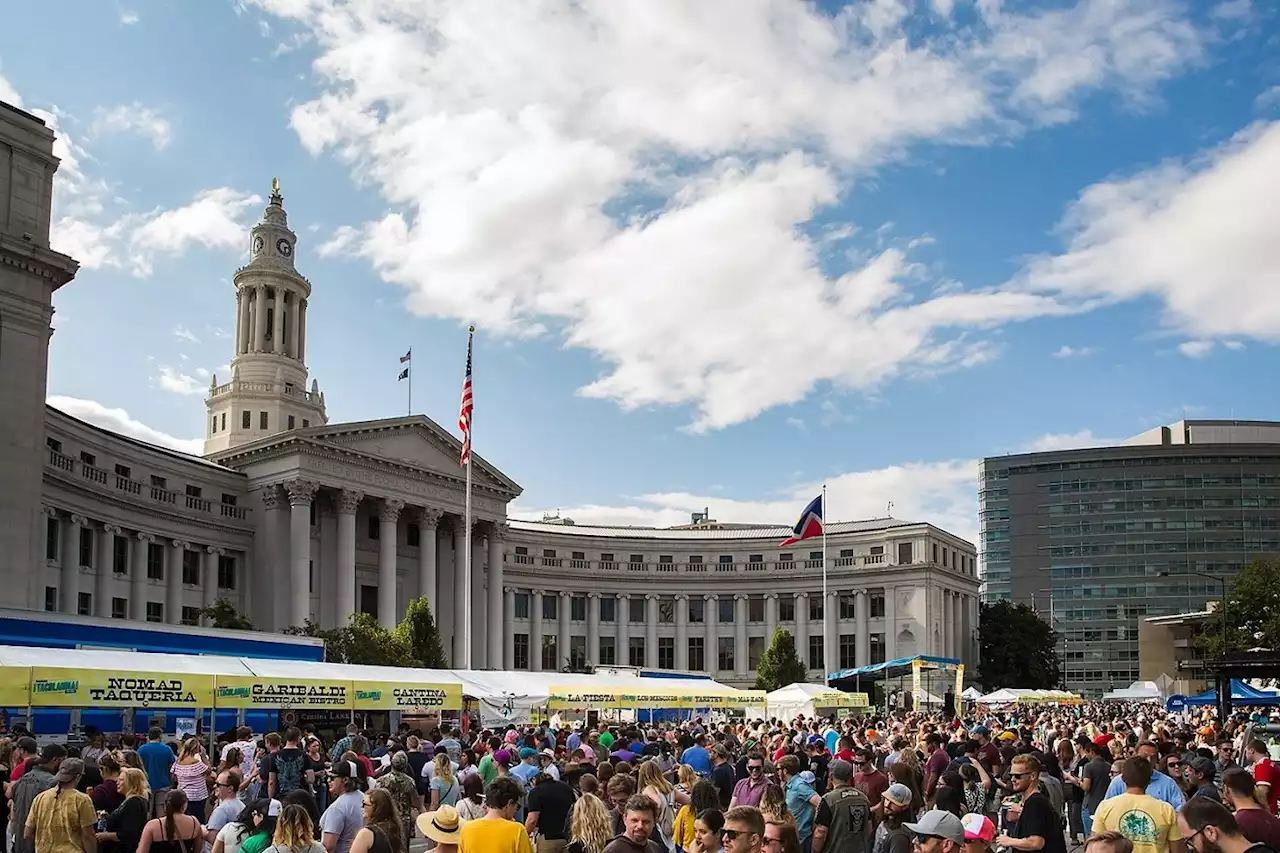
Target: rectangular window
190, 615
935, 552
119, 608
755, 648
119, 555
155, 611
305, 423
191, 568
521, 550
755, 610
697, 610
848, 653
53, 444
155, 561
877, 550
666, 653
550, 607
226, 571
697, 661
290, 421
159, 482
637, 558
815, 653
123, 471
412, 535
520, 604
578, 555
724, 654
84, 604
635, 651
635, 610
667, 559
51, 539
608, 652
666, 610
726, 559
262, 420
311, 576
786, 558
577, 652
51, 599
548, 554
847, 606
520, 649
578, 608
816, 556
904, 553
88, 459
877, 648
786, 608
725, 605
606, 558
245, 419
369, 600
755, 558
224, 421
815, 607
608, 609
374, 529
946, 553
193, 491
86, 546
877, 605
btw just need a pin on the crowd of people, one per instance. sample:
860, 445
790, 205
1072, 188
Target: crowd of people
1105, 778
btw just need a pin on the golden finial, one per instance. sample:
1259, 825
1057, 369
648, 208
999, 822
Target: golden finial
275, 186
471, 329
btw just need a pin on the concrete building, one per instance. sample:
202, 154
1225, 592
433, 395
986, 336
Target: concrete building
292, 518
1102, 538
1167, 654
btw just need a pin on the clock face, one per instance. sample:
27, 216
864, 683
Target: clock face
257, 244
283, 247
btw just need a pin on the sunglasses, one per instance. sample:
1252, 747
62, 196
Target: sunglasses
731, 834
924, 839
1020, 775
754, 768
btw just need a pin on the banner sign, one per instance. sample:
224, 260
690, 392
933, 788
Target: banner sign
915, 684
247, 691
509, 709
387, 696
15, 686
959, 684
95, 688
840, 699
570, 700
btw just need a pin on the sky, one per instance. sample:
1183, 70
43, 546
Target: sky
718, 253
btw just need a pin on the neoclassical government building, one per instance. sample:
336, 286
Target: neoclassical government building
291, 517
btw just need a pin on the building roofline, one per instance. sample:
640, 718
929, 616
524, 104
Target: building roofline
157, 448
738, 532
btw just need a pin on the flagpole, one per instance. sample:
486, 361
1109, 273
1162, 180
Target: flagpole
826, 603
468, 608
410, 381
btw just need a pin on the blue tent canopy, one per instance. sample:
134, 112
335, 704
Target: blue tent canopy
1241, 694
892, 668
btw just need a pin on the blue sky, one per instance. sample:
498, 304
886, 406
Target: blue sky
718, 254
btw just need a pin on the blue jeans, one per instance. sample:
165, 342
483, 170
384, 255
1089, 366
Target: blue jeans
1086, 818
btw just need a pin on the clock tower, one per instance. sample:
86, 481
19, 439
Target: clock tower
267, 392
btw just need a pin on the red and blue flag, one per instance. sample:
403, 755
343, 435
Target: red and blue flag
809, 525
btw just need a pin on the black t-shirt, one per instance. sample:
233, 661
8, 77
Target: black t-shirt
1098, 772
722, 778
552, 800
1039, 819
818, 766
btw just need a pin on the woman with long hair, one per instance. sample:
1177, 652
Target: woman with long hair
471, 805
383, 831
785, 833
124, 823
106, 794
908, 775
444, 786
686, 779
192, 772
295, 832
773, 805
704, 796
259, 826
315, 762
706, 832
176, 832
302, 797
590, 826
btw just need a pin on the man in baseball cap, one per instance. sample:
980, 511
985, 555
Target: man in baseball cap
1200, 773
938, 832
979, 832
895, 808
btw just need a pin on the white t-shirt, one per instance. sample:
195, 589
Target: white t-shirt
231, 837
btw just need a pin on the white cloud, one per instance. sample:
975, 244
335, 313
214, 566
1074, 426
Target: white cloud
173, 380
796, 423
182, 333
943, 493
504, 136
1066, 351
1067, 441
1267, 100
128, 17
1234, 346
1196, 349
1233, 10
118, 420
9, 94
133, 118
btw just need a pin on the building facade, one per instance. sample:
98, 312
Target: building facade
1099, 539
291, 518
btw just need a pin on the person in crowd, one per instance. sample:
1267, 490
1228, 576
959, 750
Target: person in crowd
935, 763
938, 831
802, 800
780, 838
123, 825
260, 817
547, 813
749, 790
703, 798
891, 835
497, 831
471, 804
175, 832
295, 832
157, 760
744, 829
404, 791
639, 828
1257, 824
106, 795
444, 784
344, 817
1199, 773
1151, 824
383, 830
843, 821
722, 774
442, 827
1107, 842
979, 833
39, 776
226, 790
590, 826
1209, 828
1264, 772
1162, 787
1037, 826
61, 819
190, 773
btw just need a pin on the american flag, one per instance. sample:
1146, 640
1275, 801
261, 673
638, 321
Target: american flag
464, 410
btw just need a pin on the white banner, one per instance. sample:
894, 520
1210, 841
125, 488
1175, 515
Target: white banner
509, 709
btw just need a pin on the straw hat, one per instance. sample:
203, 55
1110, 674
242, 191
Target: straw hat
441, 825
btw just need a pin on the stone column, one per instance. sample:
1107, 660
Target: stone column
862, 651
294, 326
651, 631
710, 631
563, 607
593, 628
388, 516
890, 623
496, 618
509, 642
831, 632
802, 627
260, 319
345, 596
479, 640
740, 635
771, 618
326, 565
103, 556
69, 566
209, 579
173, 583
301, 493
446, 581
428, 524
302, 330
459, 594
277, 321
957, 625
682, 632
535, 630
620, 654
138, 576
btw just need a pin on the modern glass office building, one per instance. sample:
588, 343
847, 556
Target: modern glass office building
1099, 538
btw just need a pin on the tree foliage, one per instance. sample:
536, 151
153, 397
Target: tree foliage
223, 614
1253, 613
420, 634
1018, 648
780, 665
361, 641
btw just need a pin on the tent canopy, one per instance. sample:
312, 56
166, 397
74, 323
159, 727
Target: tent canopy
892, 668
971, 693
1241, 694
804, 698
1138, 691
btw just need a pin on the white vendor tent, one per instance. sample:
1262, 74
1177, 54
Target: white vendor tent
1138, 691
971, 694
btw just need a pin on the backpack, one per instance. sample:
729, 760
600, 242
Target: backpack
666, 821
290, 773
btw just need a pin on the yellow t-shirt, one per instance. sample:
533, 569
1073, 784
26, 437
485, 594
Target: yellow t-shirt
490, 835
682, 829
1149, 823
59, 818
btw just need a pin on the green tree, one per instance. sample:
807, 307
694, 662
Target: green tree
419, 632
223, 614
779, 665
361, 641
1018, 648
1252, 611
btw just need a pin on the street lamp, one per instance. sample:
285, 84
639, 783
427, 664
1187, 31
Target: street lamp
1222, 583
